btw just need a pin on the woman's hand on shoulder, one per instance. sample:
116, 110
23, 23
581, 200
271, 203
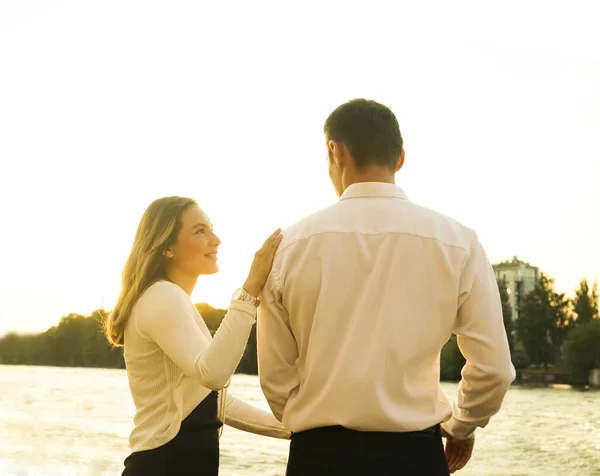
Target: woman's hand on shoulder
262, 264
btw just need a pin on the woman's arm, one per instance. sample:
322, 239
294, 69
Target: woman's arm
165, 315
246, 417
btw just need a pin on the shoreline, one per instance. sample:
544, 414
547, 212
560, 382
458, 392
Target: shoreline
519, 384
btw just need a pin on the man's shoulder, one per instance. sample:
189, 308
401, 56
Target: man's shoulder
411, 218
308, 226
435, 215
443, 227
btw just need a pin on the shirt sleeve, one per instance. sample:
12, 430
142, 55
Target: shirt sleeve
245, 417
277, 348
481, 337
165, 316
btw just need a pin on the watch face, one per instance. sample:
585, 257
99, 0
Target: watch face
237, 294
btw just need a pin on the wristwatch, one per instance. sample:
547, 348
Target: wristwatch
242, 295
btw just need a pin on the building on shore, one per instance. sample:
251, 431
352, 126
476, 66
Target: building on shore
520, 278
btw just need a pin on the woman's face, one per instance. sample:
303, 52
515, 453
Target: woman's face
195, 249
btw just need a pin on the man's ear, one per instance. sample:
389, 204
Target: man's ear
336, 152
400, 161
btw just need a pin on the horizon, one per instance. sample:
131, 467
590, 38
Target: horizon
108, 107
225, 306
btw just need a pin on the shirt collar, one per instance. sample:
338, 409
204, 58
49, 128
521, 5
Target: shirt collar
373, 190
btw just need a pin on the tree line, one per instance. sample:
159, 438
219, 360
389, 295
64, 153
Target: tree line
551, 330
78, 341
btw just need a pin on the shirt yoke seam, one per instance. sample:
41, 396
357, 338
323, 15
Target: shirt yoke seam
363, 233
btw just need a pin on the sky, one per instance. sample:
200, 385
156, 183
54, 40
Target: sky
106, 106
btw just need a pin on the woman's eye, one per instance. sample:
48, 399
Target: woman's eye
200, 231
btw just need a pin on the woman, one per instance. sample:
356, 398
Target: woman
176, 370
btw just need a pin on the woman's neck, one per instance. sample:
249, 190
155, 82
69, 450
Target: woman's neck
184, 281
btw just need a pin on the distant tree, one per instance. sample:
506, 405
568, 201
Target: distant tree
69, 340
585, 304
98, 356
249, 363
506, 312
543, 322
582, 350
10, 346
78, 341
212, 316
451, 361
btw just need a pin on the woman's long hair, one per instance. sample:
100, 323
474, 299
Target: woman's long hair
156, 232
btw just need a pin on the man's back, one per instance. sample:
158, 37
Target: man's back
361, 299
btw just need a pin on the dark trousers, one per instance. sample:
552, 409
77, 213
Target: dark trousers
338, 451
193, 451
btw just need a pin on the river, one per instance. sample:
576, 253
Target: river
75, 421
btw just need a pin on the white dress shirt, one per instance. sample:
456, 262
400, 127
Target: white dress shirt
362, 297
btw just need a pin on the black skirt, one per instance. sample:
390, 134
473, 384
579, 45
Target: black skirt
193, 451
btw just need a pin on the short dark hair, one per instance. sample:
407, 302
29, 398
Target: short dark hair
370, 131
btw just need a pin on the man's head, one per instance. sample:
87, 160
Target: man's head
364, 144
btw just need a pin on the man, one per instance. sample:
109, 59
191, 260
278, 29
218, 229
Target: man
360, 301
